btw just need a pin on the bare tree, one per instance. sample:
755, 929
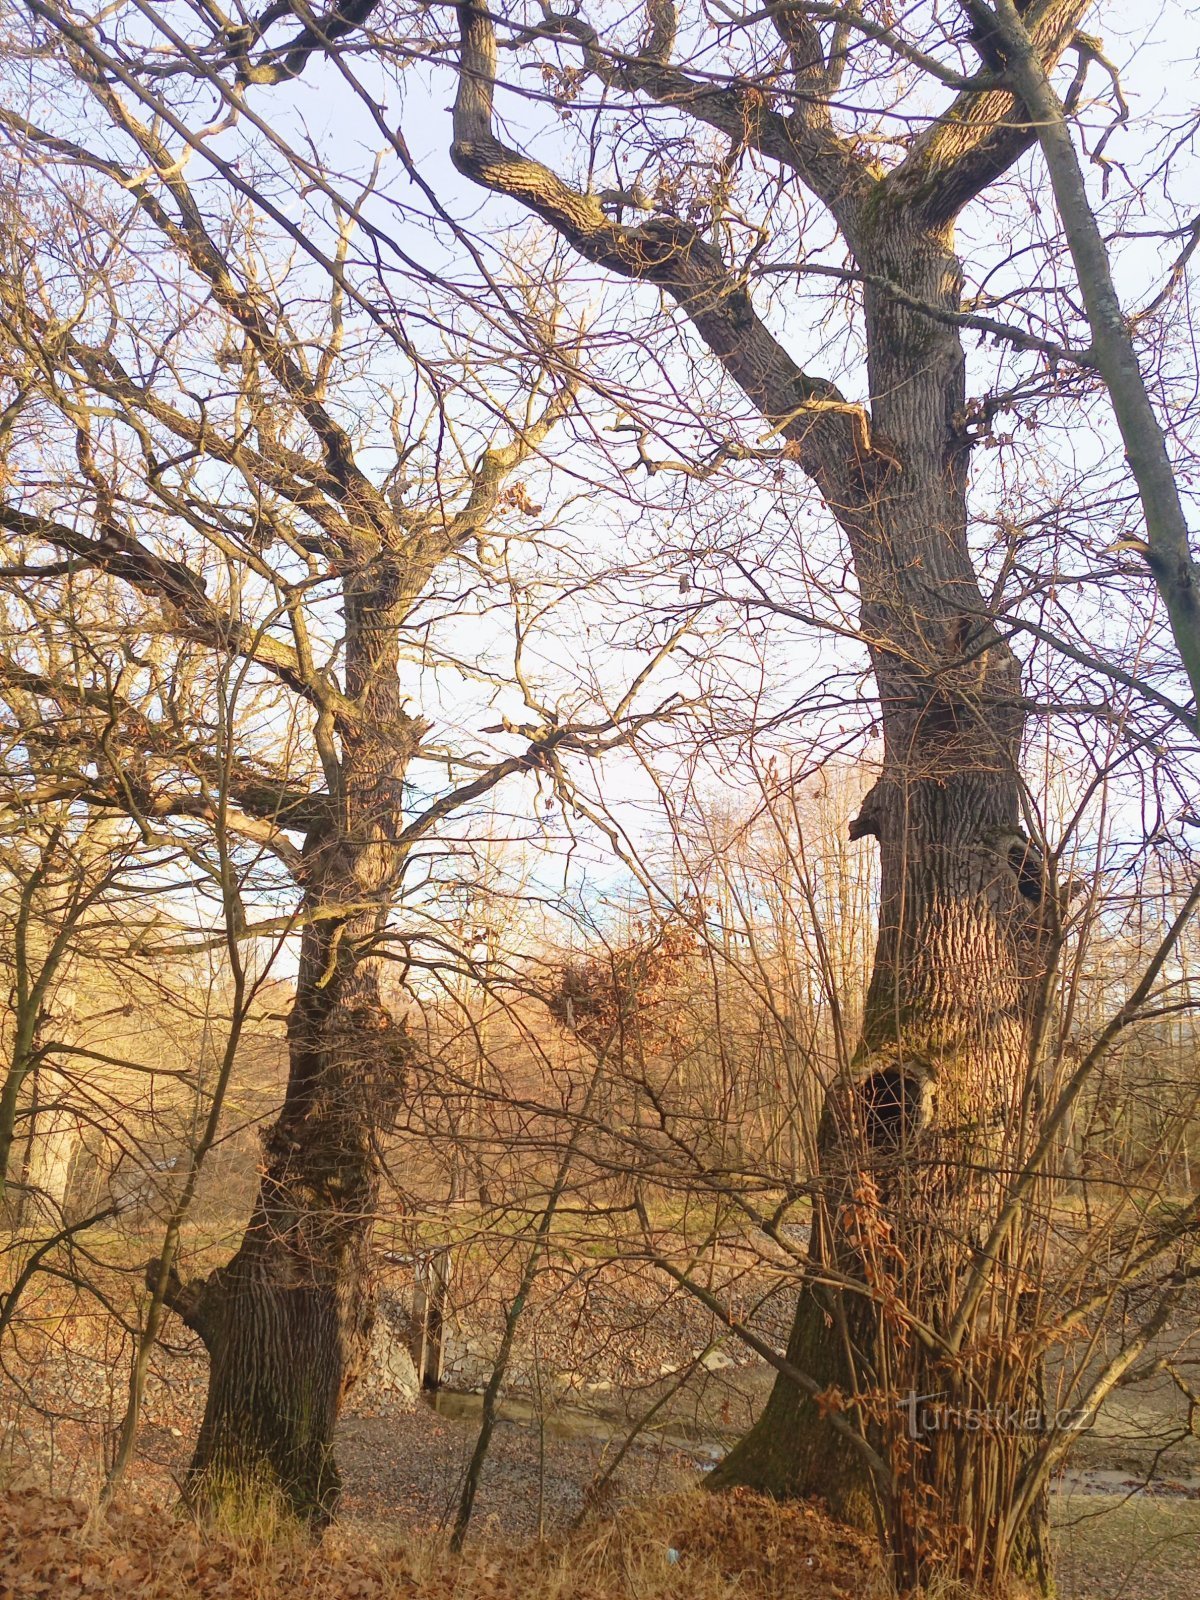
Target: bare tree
186, 419
806, 145
917, 1134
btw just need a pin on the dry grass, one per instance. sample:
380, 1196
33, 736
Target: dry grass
725, 1545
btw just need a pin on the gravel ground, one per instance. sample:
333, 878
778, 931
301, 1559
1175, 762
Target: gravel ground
410, 1470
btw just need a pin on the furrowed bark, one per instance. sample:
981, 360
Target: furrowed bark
287, 1319
914, 1140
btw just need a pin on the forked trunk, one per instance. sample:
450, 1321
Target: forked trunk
916, 1138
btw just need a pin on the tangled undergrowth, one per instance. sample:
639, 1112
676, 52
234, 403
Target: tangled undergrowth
694, 1545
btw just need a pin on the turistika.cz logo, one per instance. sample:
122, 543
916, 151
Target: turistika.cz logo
931, 1413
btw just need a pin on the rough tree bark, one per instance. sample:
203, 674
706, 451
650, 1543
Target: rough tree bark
909, 1147
286, 1320
913, 1142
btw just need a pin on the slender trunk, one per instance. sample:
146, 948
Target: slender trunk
491, 1394
1167, 550
27, 1007
51, 1143
23, 1060
161, 1274
915, 1136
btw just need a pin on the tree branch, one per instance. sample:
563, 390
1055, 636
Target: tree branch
831, 437
981, 134
179, 588
805, 142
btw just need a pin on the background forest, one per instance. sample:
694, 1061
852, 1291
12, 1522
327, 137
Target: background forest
599, 653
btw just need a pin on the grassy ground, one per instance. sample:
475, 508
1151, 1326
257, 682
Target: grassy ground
1135, 1549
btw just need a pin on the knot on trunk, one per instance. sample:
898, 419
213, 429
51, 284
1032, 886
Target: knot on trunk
869, 821
1024, 860
197, 1302
880, 1111
364, 1039
890, 1107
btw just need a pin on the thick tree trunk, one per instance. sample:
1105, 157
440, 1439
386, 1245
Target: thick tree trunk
914, 1141
287, 1319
